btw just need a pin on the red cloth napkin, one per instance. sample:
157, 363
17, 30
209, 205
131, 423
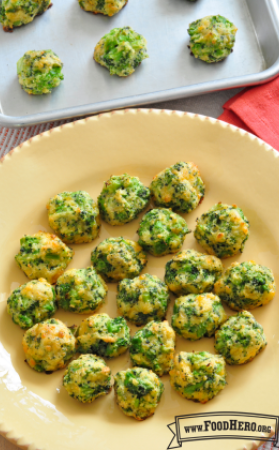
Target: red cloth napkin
256, 110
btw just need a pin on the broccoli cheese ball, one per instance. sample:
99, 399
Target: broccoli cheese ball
121, 51
31, 303
21, 12
74, 216
212, 38
81, 290
222, 230
106, 7
143, 299
191, 272
87, 378
198, 376
43, 255
103, 336
39, 71
178, 187
118, 258
122, 199
48, 345
138, 392
197, 316
162, 231
153, 347
240, 338
246, 285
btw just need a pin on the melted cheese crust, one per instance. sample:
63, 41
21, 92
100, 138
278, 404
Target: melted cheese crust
179, 187
240, 338
31, 303
118, 258
198, 376
223, 230
43, 255
143, 299
191, 272
103, 336
153, 347
87, 378
48, 345
138, 392
196, 316
246, 285
74, 216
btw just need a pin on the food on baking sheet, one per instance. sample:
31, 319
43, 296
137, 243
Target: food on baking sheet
31, 303
138, 392
48, 345
179, 187
246, 285
122, 199
39, 71
153, 347
118, 258
20, 12
80, 291
162, 231
212, 38
87, 378
121, 51
197, 315
198, 376
222, 230
43, 255
106, 7
240, 338
143, 299
103, 336
74, 216
191, 272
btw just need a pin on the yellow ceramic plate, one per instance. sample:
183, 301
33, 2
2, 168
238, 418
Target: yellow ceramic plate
237, 168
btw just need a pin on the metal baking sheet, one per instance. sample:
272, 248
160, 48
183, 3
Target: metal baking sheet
169, 73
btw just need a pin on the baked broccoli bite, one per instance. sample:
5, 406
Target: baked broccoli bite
21, 12
179, 187
87, 378
153, 347
121, 51
39, 71
43, 255
122, 199
74, 216
48, 345
31, 303
222, 230
143, 299
197, 315
118, 258
162, 231
106, 7
198, 376
138, 392
212, 38
103, 336
246, 285
191, 272
80, 291
240, 338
